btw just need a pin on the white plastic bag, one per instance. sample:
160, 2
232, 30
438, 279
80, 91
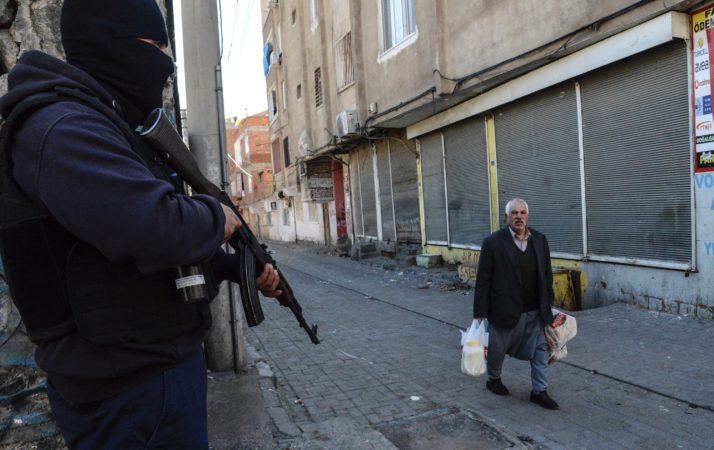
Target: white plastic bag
474, 348
563, 329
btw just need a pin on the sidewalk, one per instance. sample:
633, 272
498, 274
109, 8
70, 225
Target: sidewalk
387, 370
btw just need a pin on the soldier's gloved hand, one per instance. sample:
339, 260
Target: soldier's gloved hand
267, 282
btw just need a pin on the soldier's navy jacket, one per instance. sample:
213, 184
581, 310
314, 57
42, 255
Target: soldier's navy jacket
94, 279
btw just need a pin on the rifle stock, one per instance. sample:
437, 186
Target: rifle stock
162, 137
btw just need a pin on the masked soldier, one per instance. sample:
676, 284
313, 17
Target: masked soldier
92, 231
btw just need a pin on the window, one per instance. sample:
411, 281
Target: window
294, 13
273, 107
299, 90
275, 147
286, 216
246, 149
345, 74
269, 219
398, 17
237, 153
318, 87
285, 96
286, 152
313, 14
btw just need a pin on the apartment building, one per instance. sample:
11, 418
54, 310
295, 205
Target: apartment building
433, 114
251, 170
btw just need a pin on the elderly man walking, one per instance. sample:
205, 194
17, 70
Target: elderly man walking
514, 291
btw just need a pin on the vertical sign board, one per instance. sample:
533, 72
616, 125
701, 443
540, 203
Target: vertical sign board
702, 59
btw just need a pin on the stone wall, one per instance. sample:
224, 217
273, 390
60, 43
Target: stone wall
27, 25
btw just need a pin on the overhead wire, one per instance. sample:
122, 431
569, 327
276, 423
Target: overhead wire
233, 30
245, 27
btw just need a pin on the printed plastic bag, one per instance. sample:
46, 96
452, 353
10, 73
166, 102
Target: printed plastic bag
474, 348
563, 329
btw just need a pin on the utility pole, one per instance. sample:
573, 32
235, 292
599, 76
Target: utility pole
225, 347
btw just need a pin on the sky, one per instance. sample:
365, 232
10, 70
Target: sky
244, 91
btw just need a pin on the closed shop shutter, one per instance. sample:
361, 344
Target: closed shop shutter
369, 202
432, 167
637, 156
385, 191
467, 182
539, 161
356, 195
405, 190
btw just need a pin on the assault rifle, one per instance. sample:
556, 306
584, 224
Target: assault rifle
161, 136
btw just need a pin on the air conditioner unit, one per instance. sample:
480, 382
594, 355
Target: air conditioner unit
276, 58
347, 123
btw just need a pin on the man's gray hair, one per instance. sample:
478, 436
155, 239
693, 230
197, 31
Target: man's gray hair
512, 203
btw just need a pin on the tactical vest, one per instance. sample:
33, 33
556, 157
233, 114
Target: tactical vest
61, 284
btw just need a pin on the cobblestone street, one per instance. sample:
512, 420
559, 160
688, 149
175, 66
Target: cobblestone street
390, 355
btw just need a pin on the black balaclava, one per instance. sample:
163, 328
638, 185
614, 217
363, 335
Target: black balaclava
101, 38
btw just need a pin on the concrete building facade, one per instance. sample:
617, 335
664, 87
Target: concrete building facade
440, 112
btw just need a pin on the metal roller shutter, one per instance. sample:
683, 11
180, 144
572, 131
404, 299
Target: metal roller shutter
432, 168
467, 182
405, 190
385, 191
539, 161
369, 202
356, 195
637, 157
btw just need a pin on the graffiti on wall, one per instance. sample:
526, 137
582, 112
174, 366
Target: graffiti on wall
705, 181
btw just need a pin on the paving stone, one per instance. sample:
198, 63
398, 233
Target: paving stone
383, 342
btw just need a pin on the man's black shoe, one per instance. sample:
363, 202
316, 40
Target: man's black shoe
496, 387
544, 400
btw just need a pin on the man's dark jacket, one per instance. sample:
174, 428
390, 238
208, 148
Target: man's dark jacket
498, 280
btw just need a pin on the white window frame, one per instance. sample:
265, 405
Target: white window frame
398, 22
285, 95
246, 147
314, 16
273, 104
237, 155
